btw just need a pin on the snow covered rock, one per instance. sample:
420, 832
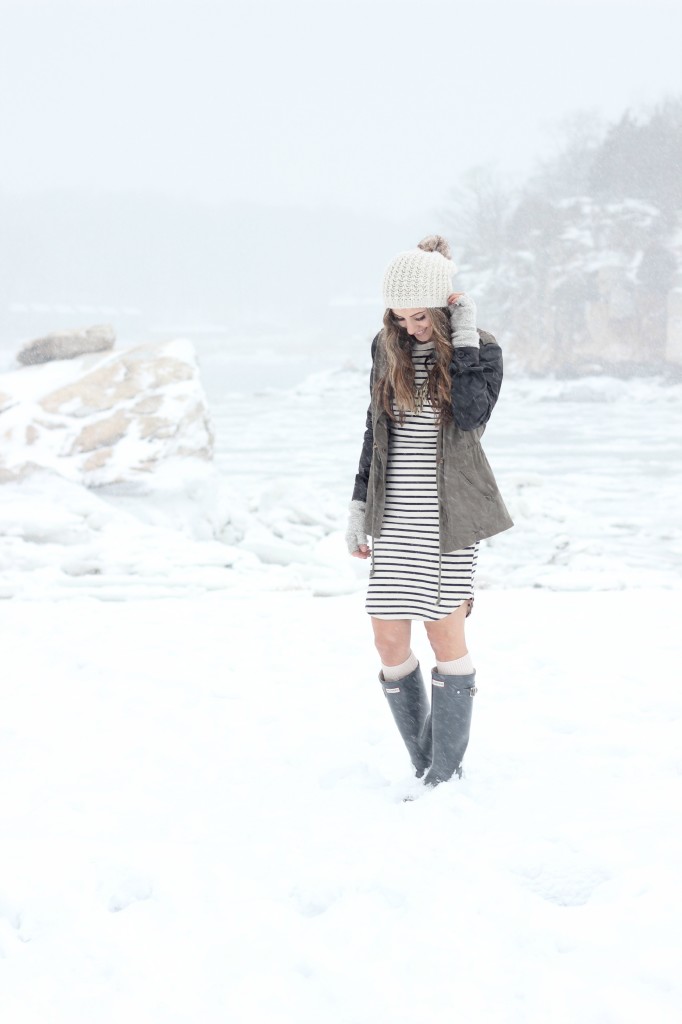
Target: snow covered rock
67, 344
109, 422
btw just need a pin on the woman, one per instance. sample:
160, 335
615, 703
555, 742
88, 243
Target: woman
426, 495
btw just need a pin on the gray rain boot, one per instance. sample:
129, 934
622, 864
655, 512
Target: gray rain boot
409, 706
451, 706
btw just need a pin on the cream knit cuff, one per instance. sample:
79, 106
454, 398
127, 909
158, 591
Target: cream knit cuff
463, 322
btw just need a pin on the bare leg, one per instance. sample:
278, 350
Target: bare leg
446, 636
392, 639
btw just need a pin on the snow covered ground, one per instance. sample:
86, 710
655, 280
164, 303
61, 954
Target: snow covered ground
201, 817
201, 814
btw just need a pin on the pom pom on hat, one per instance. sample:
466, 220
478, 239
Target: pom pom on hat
420, 276
436, 243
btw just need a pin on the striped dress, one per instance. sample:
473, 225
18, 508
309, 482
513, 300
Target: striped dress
405, 579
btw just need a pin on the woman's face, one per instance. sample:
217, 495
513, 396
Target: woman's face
416, 322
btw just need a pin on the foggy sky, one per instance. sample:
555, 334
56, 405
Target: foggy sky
371, 106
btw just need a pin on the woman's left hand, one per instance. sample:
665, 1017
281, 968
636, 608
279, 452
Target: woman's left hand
462, 310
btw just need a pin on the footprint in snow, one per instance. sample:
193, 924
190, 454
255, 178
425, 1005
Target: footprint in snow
126, 888
15, 923
562, 876
316, 897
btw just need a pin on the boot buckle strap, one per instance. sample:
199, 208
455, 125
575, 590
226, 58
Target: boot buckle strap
471, 690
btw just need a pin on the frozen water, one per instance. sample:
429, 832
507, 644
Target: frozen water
591, 471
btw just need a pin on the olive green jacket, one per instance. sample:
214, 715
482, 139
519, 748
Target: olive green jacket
471, 506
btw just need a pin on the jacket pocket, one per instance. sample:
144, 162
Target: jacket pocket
484, 487
485, 492
476, 470
477, 473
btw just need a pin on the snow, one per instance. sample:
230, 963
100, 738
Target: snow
192, 829
201, 816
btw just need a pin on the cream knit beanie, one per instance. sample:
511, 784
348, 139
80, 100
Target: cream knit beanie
421, 276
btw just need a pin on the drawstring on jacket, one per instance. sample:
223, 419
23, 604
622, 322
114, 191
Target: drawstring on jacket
439, 462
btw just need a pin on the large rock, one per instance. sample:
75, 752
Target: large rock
67, 344
107, 424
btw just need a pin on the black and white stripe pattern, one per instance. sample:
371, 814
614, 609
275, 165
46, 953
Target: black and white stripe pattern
404, 584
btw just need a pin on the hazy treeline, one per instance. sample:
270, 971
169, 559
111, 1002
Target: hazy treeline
581, 266
577, 269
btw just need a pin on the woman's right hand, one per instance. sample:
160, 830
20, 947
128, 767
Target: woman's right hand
356, 538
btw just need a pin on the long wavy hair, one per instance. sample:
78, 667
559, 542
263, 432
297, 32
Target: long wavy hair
398, 381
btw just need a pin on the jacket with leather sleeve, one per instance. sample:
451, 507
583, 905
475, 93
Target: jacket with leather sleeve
471, 506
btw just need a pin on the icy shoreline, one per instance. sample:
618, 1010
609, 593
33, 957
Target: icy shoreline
591, 471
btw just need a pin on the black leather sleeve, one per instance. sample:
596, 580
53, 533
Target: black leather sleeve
476, 381
362, 475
